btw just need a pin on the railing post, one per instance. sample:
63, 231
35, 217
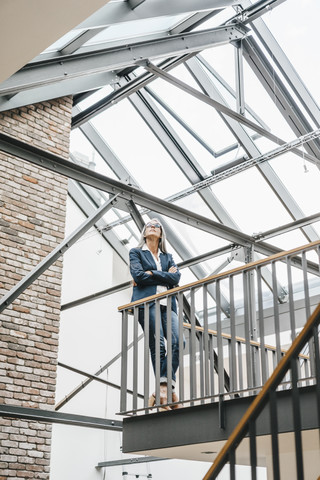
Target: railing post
181, 343
219, 342
169, 351
124, 361
146, 355
192, 362
206, 340
157, 349
135, 360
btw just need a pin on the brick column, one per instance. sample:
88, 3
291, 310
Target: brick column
32, 220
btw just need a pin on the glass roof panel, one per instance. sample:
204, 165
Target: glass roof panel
251, 202
141, 152
302, 179
299, 38
136, 28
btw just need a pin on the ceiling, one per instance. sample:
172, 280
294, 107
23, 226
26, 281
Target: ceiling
206, 94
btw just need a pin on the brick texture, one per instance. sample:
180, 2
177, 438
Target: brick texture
32, 220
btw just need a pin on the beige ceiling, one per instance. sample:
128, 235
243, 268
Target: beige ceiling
27, 27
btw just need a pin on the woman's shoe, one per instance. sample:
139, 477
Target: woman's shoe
151, 401
163, 400
175, 399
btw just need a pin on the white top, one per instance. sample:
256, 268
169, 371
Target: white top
160, 288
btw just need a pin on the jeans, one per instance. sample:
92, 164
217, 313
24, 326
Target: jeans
163, 337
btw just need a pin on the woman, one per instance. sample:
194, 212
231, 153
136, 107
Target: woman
154, 271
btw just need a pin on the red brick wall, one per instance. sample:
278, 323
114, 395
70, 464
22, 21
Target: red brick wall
32, 219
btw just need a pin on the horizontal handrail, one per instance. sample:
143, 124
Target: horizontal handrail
261, 399
243, 340
211, 278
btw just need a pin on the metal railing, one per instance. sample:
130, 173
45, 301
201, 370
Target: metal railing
233, 336
267, 396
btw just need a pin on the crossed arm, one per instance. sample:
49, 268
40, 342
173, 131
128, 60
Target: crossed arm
152, 277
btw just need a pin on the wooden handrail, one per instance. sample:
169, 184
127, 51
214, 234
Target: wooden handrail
211, 278
242, 340
261, 399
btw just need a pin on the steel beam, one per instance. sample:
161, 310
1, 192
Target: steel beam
252, 150
130, 461
81, 117
118, 12
79, 193
221, 108
194, 20
48, 416
77, 42
72, 86
123, 286
95, 377
278, 93
253, 10
97, 295
287, 227
285, 67
239, 78
55, 70
180, 120
84, 384
230, 90
57, 164
55, 254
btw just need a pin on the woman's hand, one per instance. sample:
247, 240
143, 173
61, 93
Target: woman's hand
172, 269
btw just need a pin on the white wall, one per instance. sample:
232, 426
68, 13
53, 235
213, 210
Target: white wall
89, 338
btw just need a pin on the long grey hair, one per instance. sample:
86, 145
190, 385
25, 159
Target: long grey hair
162, 240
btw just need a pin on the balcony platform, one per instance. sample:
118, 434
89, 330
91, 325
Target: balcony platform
194, 433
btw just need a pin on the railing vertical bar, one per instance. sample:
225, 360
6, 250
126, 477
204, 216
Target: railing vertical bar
135, 359
200, 334
274, 359
192, 347
276, 311
306, 285
124, 362
146, 355
317, 366
247, 329
253, 449
261, 328
169, 350
211, 356
205, 339
274, 435
267, 362
229, 361
308, 310
233, 355
240, 366
181, 342
157, 350
219, 341
232, 462
258, 368
307, 372
296, 418
291, 301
